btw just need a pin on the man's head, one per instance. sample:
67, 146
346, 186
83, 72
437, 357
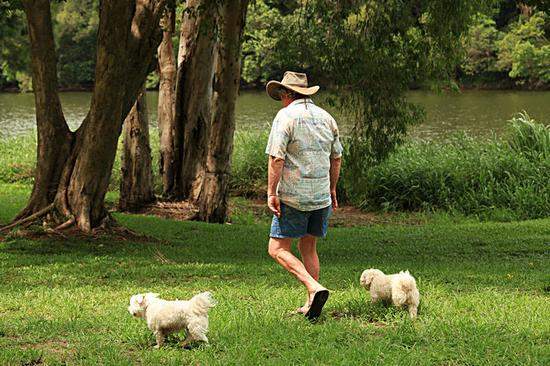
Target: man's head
293, 86
288, 96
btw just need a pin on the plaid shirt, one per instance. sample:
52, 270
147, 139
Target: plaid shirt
306, 137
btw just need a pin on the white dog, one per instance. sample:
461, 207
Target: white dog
164, 317
399, 288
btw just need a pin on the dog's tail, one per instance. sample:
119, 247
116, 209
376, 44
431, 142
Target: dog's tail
203, 302
404, 290
407, 282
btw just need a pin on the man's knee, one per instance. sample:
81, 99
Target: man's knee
276, 247
273, 251
307, 244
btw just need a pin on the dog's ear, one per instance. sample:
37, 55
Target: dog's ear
365, 279
140, 299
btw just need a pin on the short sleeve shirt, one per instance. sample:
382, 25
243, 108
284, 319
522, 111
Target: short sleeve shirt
306, 137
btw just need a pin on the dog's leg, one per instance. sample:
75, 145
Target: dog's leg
186, 341
160, 338
373, 296
413, 311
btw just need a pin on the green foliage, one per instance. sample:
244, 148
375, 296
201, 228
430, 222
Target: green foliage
529, 137
524, 52
483, 287
262, 43
480, 46
249, 165
14, 48
465, 175
75, 28
369, 53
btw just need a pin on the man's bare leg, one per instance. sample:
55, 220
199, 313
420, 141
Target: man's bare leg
279, 249
308, 250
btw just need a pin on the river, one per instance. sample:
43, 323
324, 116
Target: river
478, 113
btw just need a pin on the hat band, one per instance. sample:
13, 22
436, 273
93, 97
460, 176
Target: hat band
298, 85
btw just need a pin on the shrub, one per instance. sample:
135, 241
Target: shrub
471, 176
249, 164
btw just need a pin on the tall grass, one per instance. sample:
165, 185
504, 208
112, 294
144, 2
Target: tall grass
529, 137
496, 178
249, 164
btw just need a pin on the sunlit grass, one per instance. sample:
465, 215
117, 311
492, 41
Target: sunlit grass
484, 290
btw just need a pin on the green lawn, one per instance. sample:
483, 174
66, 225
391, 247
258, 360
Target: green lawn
484, 286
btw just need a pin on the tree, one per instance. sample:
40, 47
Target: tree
136, 184
215, 188
166, 101
73, 169
368, 53
193, 97
524, 52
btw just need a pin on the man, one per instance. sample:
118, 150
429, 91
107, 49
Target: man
304, 164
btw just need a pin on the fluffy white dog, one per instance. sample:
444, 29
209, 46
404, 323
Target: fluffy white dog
164, 317
399, 289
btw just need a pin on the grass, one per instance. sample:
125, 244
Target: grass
484, 286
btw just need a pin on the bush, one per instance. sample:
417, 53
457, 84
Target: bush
249, 165
475, 177
524, 52
529, 137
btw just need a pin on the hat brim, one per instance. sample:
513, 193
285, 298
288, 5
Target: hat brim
273, 87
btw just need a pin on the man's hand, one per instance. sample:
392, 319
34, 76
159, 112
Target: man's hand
334, 200
274, 205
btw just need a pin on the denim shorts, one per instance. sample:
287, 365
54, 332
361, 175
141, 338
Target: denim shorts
294, 223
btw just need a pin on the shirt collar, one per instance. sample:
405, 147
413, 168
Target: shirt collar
301, 101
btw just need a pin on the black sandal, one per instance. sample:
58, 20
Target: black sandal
319, 300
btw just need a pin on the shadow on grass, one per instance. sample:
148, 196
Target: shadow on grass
380, 314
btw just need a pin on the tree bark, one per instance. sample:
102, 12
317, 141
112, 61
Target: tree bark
54, 136
166, 101
193, 96
136, 185
214, 193
127, 39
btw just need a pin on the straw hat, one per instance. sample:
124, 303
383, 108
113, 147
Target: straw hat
295, 81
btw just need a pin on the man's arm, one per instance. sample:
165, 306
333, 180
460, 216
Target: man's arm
274, 170
335, 164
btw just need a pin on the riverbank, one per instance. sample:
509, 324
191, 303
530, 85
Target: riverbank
494, 178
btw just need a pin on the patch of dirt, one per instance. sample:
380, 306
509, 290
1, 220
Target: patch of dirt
181, 211
338, 315
50, 345
343, 216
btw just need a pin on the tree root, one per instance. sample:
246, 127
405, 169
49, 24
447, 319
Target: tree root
28, 219
70, 222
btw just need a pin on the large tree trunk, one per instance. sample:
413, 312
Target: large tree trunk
193, 96
54, 136
127, 39
214, 194
136, 185
166, 101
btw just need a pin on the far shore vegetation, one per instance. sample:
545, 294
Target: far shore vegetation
506, 47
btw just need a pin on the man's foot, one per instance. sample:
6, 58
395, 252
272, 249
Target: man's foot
320, 297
